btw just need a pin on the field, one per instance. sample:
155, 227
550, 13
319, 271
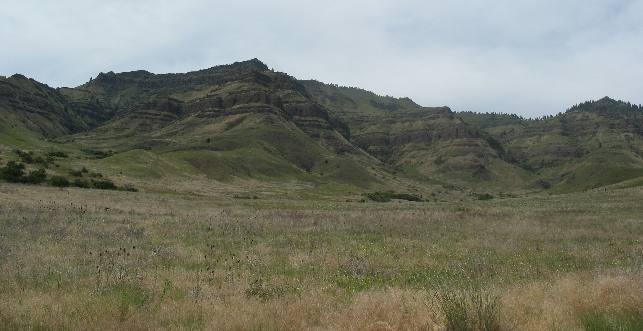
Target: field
90, 259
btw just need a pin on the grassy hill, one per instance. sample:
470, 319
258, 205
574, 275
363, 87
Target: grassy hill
244, 123
430, 144
238, 121
593, 144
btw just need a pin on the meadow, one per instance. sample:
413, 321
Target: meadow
75, 258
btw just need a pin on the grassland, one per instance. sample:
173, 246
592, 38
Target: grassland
90, 259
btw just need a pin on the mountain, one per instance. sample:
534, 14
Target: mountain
233, 121
425, 143
33, 109
243, 122
590, 145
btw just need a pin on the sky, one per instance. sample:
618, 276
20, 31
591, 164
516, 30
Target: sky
528, 57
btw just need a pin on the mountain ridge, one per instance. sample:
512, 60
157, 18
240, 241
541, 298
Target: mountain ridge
243, 120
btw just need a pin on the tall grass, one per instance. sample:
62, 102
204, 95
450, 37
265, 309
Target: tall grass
471, 310
602, 321
95, 259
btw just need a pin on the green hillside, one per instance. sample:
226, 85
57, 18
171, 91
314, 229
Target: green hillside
243, 123
238, 121
430, 144
593, 144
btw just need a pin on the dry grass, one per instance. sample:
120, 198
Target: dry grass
84, 259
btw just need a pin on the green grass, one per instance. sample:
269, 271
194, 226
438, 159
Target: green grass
470, 311
600, 321
253, 203
104, 256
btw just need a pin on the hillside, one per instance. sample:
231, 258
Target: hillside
244, 124
427, 143
33, 110
593, 144
238, 121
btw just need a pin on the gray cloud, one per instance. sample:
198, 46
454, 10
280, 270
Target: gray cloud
530, 57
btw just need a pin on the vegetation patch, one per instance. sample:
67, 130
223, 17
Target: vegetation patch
36, 176
98, 154
387, 196
485, 197
58, 154
602, 321
14, 172
59, 181
103, 184
470, 311
26, 157
245, 196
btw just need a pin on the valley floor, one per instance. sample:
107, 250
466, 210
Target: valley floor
90, 259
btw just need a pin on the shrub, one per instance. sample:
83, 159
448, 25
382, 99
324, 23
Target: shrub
245, 197
103, 184
76, 173
379, 196
544, 184
58, 181
81, 183
40, 160
485, 196
388, 195
96, 175
98, 154
408, 197
13, 172
36, 176
57, 154
26, 157
129, 188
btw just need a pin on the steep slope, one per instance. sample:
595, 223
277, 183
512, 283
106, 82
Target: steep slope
591, 145
30, 111
34, 109
238, 120
430, 143
244, 121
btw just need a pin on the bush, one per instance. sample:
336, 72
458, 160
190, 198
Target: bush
76, 173
57, 154
379, 196
408, 197
96, 175
58, 181
40, 160
485, 196
129, 188
26, 157
13, 172
103, 184
98, 154
389, 195
544, 184
81, 183
245, 197
36, 176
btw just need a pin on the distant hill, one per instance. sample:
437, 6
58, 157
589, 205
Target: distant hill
245, 121
593, 144
424, 142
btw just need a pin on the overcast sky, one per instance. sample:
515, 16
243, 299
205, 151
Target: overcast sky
530, 57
